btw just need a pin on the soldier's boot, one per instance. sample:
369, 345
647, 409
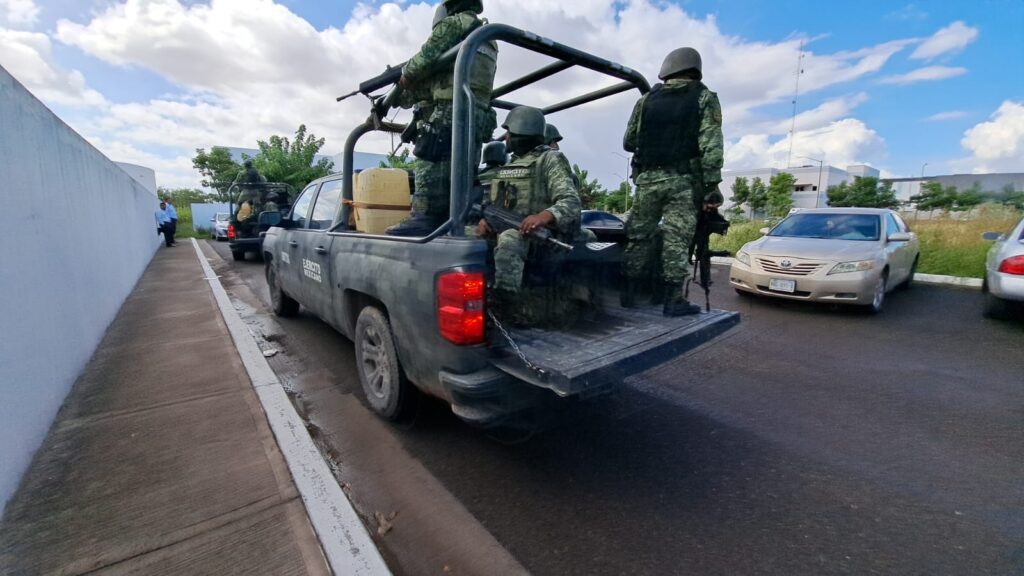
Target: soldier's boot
658, 295
417, 225
627, 298
675, 304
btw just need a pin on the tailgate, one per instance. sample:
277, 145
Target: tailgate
597, 353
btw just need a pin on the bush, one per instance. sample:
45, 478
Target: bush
739, 234
954, 247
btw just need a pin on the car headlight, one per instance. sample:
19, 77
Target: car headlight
743, 257
858, 266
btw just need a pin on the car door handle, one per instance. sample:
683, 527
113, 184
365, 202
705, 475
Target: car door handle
293, 243
320, 250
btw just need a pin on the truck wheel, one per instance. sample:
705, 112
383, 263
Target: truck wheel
387, 391
237, 256
282, 304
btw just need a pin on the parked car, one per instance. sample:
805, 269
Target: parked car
837, 255
221, 220
607, 226
1004, 272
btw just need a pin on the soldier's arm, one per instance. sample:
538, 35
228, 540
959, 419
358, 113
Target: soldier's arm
629, 140
446, 35
710, 141
565, 199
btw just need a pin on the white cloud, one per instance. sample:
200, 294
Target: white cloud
840, 143
28, 57
927, 73
950, 115
249, 68
952, 38
998, 144
18, 13
908, 12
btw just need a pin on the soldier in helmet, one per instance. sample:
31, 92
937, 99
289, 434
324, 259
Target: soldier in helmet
675, 133
537, 185
551, 138
432, 90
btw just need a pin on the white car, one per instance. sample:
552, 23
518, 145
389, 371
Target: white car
836, 255
220, 225
1004, 271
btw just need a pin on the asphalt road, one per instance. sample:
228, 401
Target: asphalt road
810, 440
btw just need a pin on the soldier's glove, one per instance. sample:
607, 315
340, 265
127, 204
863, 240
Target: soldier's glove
712, 195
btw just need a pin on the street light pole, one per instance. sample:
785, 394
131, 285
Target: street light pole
626, 158
922, 170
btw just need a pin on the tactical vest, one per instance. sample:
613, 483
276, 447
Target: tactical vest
517, 186
670, 127
481, 79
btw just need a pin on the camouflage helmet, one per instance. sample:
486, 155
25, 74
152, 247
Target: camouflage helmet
551, 134
456, 6
525, 121
495, 153
440, 14
247, 163
680, 60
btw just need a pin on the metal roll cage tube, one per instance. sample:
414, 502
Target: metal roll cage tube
462, 113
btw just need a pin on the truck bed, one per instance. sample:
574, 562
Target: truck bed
602, 351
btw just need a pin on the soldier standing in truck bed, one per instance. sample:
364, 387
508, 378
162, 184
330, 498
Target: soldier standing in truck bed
675, 133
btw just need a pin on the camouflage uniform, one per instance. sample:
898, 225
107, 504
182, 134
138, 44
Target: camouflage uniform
672, 195
432, 92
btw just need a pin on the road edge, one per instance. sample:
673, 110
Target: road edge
936, 279
346, 543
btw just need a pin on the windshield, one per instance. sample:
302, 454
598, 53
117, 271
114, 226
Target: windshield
223, 216
864, 227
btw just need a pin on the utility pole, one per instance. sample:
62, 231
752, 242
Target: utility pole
796, 93
626, 158
817, 191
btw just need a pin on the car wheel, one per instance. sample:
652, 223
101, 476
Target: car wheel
237, 256
878, 300
994, 307
387, 390
910, 278
282, 304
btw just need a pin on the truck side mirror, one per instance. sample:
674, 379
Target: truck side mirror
270, 218
991, 236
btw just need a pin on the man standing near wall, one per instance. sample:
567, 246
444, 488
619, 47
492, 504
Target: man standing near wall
173, 214
164, 225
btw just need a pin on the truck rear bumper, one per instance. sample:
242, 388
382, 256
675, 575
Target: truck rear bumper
490, 397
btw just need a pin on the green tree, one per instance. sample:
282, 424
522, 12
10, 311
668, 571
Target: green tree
740, 191
400, 160
969, 198
592, 193
1010, 197
185, 196
618, 201
780, 194
935, 196
292, 161
758, 198
862, 193
217, 169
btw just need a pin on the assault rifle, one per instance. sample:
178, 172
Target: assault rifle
708, 222
390, 76
499, 220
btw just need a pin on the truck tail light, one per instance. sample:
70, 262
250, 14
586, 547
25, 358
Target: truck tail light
460, 307
231, 231
1013, 265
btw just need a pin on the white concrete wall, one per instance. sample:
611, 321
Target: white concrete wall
141, 174
76, 232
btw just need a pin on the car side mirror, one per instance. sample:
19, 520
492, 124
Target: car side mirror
273, 218
213, 219
765, 231
991, 236
899, 237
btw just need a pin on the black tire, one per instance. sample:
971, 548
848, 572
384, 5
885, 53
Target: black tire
744, 293
994, 307
387, 390
879, 295
909, 282
282, 304
237, 256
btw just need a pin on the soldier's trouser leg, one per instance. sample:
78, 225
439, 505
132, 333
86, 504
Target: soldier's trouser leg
677, 228
509, 261
641, 230
433, 190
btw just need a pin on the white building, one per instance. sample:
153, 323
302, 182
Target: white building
812, 181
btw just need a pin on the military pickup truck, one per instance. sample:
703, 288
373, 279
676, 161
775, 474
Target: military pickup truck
415, 308
245, 233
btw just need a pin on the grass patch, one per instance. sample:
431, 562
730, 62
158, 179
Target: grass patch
949, 245
185, 225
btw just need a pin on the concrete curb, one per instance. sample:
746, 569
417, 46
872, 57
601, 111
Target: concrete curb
346, 543
937, 279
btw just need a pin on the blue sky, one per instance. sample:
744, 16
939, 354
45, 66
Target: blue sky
148, 81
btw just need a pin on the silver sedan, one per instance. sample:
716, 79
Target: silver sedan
837, 255
1004, 271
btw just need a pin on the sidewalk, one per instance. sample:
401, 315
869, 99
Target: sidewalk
161, 460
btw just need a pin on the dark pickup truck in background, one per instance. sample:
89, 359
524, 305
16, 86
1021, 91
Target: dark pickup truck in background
245, 236
415, 308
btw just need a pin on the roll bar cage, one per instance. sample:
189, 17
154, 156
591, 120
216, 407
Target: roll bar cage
463, 127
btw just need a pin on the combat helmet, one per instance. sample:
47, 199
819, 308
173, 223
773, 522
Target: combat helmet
680, 60
551, 134
495, 153
525, 121
456, 6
